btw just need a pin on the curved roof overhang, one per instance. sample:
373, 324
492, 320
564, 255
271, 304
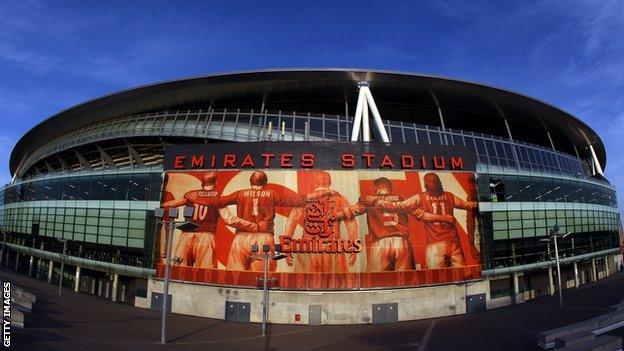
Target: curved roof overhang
294, 84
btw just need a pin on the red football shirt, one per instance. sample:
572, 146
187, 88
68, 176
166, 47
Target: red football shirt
256, 205
382, 223
441, 205
205, 216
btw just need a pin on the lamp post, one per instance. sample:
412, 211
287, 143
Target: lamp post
553, 234
171, 223
265, 255
64, 241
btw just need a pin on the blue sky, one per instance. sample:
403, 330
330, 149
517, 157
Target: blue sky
55, 54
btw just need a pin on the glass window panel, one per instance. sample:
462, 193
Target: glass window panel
516, 233
500, 234
499, 225
118, 222
135, 243
499, 215
137, 214
423, 137
137, 223
515, 224
396, 135
528, 232
104, 239
434, 136
410, 138
136, 233
119, 241
120, 232
106, 213
104, 231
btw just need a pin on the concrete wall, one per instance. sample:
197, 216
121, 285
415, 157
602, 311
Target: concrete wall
340, 307
355, 307
142, 302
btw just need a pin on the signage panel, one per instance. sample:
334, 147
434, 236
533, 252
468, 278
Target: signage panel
347, 215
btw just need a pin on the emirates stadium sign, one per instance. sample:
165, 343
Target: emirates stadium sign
347, 215
318, 155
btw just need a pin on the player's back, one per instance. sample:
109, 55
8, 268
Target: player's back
256, 205
205, 216
439, 205
382, 223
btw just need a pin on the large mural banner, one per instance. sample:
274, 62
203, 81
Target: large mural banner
350, 228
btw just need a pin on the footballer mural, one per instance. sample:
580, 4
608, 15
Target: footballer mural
339, 229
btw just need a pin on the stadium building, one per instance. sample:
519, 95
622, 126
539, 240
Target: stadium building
450, 216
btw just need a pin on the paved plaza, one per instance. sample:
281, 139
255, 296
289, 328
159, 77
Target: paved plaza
77, 321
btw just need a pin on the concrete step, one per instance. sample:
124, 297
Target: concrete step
17, 318
602, 343
546, 339
22, 305
574, 338
23, 294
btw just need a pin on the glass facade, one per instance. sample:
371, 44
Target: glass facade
106, 216
134, 186
253, 126
528, 188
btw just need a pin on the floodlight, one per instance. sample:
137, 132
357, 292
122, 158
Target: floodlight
188, 212
159, 212
254, 248
278, 247
173, 212
266, 248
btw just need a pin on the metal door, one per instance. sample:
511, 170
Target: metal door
385, 313
314, 315
156, 302
237, 311
475, 303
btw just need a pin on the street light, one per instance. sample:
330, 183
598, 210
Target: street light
553, 234
170, 223
64, 241
265, 255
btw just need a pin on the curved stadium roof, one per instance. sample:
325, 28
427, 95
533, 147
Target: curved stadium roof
326, 90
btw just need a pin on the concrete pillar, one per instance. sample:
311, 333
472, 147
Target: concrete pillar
576, 276
115, 285
77, 283
516, 288
31, 261
594, 272
6, 262
17, 260
50, 270
551, 283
